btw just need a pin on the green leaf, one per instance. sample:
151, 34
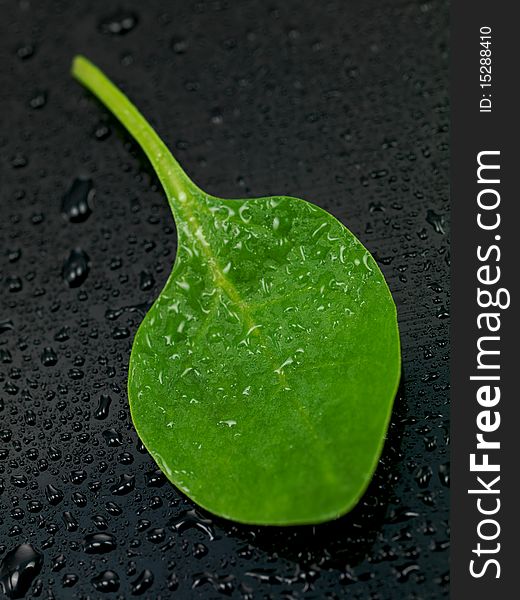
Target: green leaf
262, 379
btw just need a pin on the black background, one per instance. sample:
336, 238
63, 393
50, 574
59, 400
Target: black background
342, 103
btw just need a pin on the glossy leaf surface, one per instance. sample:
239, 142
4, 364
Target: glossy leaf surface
262, 379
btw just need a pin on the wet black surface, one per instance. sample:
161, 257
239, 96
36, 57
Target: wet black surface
342, 103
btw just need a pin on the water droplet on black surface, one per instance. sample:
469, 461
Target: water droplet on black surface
401, 514
70, 522
199, 550
19, 480
6, 325
76, 203
19, 161
142, 583
179, 45
17, 513
114, 313
62, 335
224, 584
14, 255
120, 333
405, 571
173, 582
76, 268
53, 494
143, 524
34, 506
113, 509
105, 582
192, 518
156, 536
119, 23
146, 281
126, 458
25, 51
443, 313
15, 284
444, 474
124, 486
436, 221
69, 580
79, 499
112, 438
265, 575
100, 522
48, 357
103, 407
54, 453
430, 442
77, 477
155, 478
58, 563
423, 476
99, 543
102, 132
18, 569
38, 100
140, 447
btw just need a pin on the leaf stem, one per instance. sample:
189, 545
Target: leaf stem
174, 180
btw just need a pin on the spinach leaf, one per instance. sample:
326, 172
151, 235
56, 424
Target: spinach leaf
262, 379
